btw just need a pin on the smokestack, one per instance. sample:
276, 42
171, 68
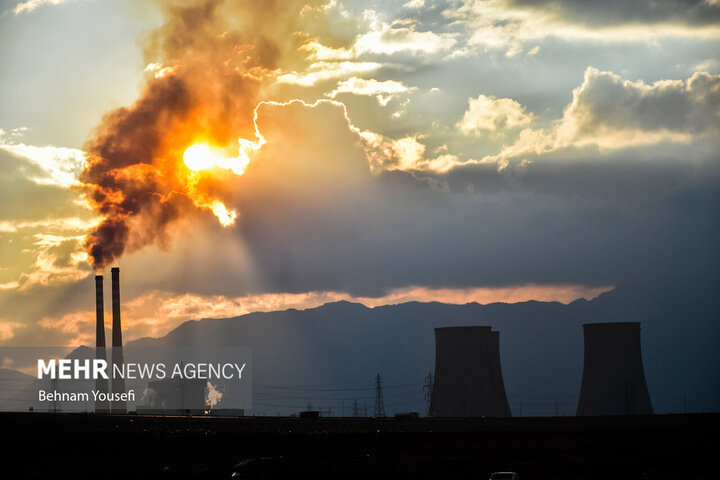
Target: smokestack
613, 381
101, 384
99, 313
468, 378
118, 384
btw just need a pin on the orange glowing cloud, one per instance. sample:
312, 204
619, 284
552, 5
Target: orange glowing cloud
156, 313
171, 153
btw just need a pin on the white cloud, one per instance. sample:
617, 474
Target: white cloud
606, 105
382, 91
611, 113
487, 113
505, 25
321, 71
390, 39
58, 259
52, 224
708, 65
384, 38
59, 165
414, 4
30, 5
405, 154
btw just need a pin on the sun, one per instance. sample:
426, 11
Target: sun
199, 157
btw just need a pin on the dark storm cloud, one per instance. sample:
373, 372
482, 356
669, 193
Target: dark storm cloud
575, 216
622, 12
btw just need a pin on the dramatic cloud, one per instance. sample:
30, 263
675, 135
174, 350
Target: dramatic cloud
606, 101
618, 12
509, 25
210, 61
156, 313
30, 5
393, 38
326, 221
8, 328
51, 224
321, 71
402, 154
612, 113
58, 259
487, 113
285, 154
58, 165
385, 39
382, 91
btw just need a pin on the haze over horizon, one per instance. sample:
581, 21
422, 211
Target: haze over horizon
234, 157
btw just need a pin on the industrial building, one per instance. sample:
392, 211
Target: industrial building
101, 384
117, 384
613, 381
468, 376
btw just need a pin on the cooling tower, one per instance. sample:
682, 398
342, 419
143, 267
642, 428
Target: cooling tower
613, 381
118, 383
101, 384
468, 377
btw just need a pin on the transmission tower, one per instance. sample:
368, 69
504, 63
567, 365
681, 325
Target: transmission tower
427, 388
379, 405
355, 409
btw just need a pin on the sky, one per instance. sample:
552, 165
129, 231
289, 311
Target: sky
244, 156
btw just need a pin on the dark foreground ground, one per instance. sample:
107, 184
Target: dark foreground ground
102, 447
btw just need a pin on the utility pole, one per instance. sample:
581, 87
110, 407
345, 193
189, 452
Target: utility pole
379, 405
427, 388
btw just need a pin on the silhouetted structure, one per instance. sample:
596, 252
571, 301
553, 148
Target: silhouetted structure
379, 404
468, 379
613, 381
101, 384
427, 389
118, 383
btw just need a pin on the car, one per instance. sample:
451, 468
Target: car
262, 467
504, 476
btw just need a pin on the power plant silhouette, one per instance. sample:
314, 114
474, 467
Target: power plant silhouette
117, 384
613, 381
468, 378
469, 383
101, 384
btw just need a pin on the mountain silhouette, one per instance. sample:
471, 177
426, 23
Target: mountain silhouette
327, 357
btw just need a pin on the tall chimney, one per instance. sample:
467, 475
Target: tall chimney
468, 378
613, 381
101, 384
118, 383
